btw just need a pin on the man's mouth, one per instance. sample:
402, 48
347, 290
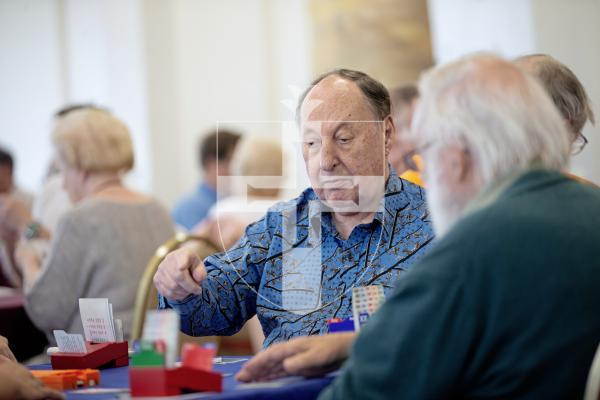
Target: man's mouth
338, 183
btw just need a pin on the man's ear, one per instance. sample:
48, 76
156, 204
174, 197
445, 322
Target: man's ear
460, 164
389, 131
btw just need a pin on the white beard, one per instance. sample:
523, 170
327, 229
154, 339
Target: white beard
444, 205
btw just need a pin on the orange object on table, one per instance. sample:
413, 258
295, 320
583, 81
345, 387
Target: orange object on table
68, 379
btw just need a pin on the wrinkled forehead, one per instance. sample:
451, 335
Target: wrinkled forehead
334, 99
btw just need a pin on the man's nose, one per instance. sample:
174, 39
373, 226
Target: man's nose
329, 157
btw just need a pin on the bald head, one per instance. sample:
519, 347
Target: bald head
566, 91
345, 122
371, 91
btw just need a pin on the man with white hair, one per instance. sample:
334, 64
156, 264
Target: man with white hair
506, 303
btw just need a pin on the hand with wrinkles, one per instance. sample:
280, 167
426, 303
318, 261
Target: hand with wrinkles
5, 352
180, 274
306, 356
16, 382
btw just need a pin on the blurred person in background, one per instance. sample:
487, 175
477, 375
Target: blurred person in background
257, 176
48, 206
7, 181
9, 192
214, 156
404, 99
100, 247
53, 201
566, 91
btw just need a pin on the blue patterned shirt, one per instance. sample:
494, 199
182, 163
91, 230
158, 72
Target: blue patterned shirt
295, 271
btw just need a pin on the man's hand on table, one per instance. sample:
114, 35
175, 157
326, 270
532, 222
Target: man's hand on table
5, 353
180, 274
306, 356
16, 382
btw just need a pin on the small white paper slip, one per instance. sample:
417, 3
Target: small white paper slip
69, 343
163, 325
365, 301
96, 316
118, 330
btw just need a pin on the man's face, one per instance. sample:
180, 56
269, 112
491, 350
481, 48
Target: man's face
345, 152
451, 184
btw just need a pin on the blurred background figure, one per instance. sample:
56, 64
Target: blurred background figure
52, 201
100, 247
7, 183
257, 177
403, 100
8, 238
566, 91
257, 180
214, 156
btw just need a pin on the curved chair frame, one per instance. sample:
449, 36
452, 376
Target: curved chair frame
145, 297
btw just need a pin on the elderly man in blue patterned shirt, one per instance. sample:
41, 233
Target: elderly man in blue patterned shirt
358, 225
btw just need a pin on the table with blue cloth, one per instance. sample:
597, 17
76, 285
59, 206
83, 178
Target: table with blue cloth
292, 388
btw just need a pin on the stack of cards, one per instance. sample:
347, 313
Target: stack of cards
365, 301
99, 326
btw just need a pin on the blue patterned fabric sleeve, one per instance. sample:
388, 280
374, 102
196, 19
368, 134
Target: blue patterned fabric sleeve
228, 296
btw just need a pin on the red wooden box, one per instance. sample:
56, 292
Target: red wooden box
99, 356
151, 381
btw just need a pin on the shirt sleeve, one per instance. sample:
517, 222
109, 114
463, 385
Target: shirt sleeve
53, 298
228, 297
417, 344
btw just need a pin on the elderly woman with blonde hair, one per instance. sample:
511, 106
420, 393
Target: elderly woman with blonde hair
101, 246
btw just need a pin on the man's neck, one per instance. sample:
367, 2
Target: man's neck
345, 223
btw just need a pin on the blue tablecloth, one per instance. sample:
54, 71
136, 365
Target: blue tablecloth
293, 388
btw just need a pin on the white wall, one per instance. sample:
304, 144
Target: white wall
232, 63
170, 69
103, 56
30, 83
570, 31
567, 30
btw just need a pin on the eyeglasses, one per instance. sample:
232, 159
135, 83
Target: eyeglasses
409, 157
579, 143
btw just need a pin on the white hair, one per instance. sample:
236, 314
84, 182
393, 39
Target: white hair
500, 115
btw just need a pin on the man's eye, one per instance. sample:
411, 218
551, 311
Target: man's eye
345, 140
